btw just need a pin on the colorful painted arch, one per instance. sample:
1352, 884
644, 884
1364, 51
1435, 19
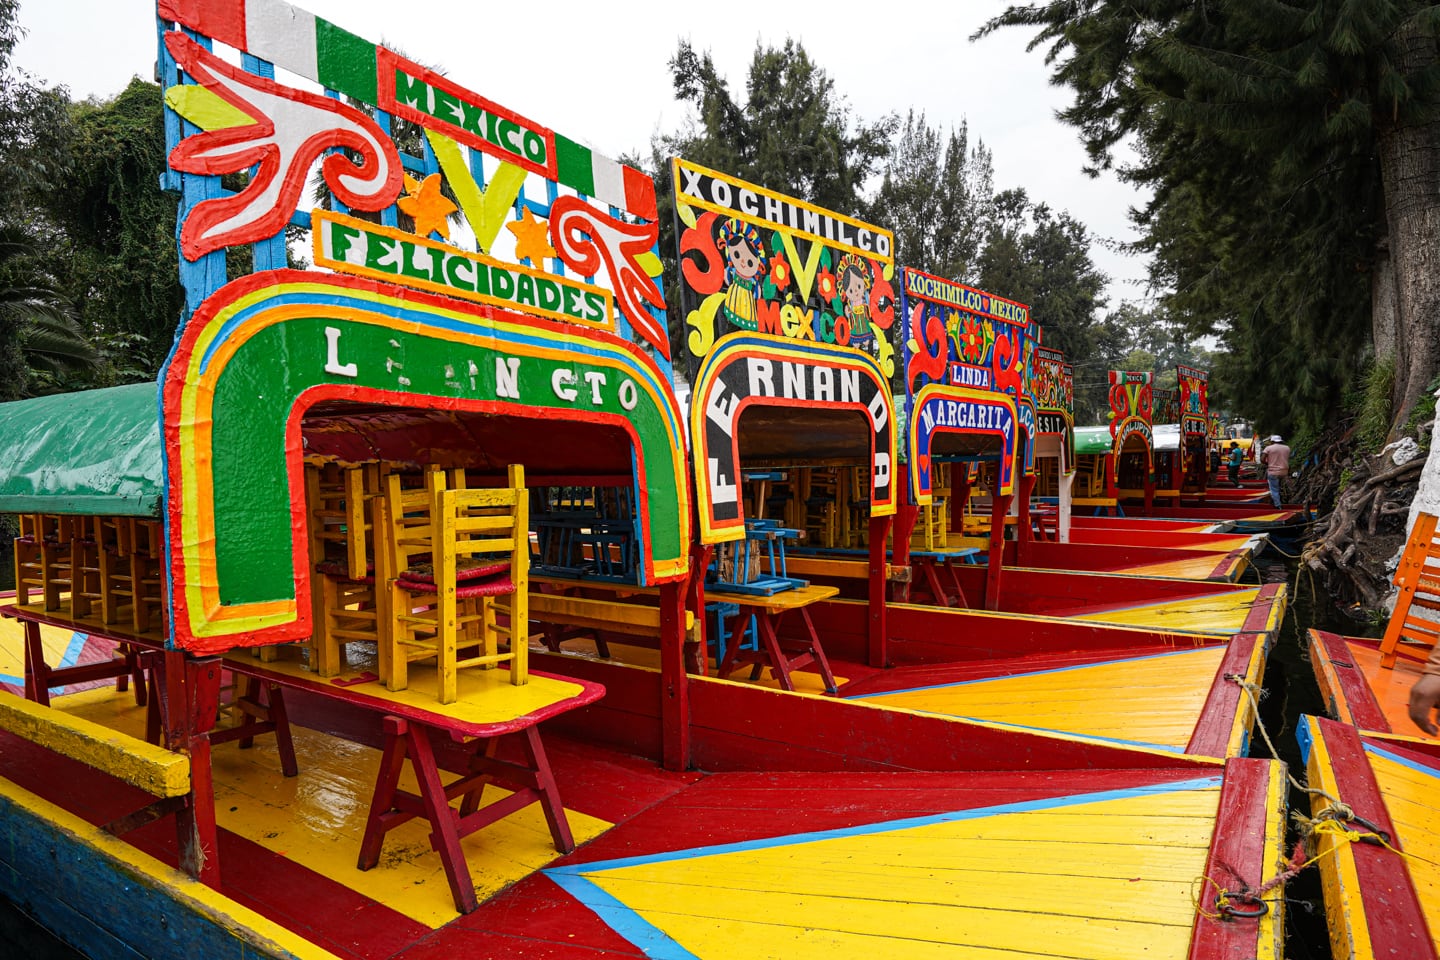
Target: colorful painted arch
940, 408
267, 348
756, 369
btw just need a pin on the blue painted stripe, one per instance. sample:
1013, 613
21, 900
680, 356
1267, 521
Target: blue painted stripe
1036, 673
1403, 761
889, 826
652, 941
71, 657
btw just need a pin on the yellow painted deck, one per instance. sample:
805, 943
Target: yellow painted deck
1090, 876
1412, 798
62, 648
318, 817
1222, 614
1152, 701
1200, 567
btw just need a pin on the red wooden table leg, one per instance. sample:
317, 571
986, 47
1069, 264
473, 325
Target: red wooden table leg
37, 673
470, 802
281, 718
549, 792
392, 761
955, 580
445, 838
770, 643
818, 652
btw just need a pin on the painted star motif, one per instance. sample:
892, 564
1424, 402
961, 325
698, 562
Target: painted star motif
531, 238
427, 206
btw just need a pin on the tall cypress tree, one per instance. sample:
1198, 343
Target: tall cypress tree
1294, 154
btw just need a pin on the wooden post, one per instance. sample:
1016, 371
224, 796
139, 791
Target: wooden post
193, 697
906, 514
879, 530
697, 650
674, 692
959, 495
1022, 522
999, 507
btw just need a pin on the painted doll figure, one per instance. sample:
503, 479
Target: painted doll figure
855, 295
745, 265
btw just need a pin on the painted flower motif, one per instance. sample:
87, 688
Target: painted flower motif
972, 340
825, 283
780, 273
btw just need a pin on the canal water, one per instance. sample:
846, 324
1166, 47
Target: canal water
1290, 692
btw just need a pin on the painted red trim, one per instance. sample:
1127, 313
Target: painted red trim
1257, 620
739, 727
1392, 908
1330, 650
356, 696
1239, 858
222, 20
1226, 698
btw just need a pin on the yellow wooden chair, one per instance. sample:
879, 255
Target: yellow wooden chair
348, 601
1418, 578
446, 584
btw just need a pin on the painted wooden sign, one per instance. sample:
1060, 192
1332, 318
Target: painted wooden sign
756, 261
754, 369
958, 337
1052, 387
473, 260
1193, 401
1131, 399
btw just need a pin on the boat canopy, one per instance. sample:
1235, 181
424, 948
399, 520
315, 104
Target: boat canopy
93, 452
1092, 440
1167, 437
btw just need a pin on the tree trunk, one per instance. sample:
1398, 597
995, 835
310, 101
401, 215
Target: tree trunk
1409, 156
1384, 311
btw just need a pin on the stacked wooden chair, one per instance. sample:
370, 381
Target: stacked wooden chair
1418, 578
456, 562
346, 605
98, 568
932, 523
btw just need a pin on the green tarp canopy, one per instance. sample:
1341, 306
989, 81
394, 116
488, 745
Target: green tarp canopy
94, 452
1092, 440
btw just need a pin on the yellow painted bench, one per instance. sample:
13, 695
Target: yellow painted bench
157, 771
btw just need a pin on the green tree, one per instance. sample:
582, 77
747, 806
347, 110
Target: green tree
792, 133
1042, 259
1293, 152
937, 196
119, 228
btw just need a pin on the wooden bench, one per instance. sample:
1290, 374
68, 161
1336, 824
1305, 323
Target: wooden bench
488, 710
553, 603
161, 773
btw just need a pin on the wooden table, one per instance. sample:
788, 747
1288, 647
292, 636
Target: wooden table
184, 699
771, 651
933, 563
489, 710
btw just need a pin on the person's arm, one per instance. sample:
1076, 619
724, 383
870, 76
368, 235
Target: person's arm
1425, 695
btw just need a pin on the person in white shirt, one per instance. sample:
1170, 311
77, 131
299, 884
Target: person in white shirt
1275, 458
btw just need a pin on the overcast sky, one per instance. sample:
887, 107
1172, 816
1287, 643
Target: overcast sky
599, 76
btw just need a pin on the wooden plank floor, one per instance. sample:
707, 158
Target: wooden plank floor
1000, 864
1153, 700
1072, 874
1410, 785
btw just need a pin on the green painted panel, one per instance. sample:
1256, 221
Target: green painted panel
1092, 440
92, 452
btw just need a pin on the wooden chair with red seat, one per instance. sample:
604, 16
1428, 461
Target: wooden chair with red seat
1418, 578
458, 559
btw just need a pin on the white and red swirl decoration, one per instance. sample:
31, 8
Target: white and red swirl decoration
585, 239
290, 129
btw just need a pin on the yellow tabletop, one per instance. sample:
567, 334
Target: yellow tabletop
778, 602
